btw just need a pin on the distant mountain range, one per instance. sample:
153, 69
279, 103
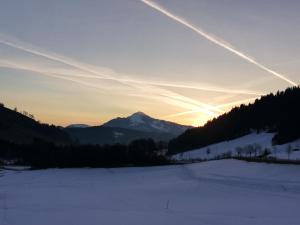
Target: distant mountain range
141, 122
78, 126
18, 128
125, 130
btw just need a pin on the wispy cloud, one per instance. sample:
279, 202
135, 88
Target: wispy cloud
108, 74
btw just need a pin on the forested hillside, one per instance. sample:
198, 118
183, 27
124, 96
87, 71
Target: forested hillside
278, 113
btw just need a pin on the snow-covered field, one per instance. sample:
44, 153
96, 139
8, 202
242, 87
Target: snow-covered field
264, 140
225, 192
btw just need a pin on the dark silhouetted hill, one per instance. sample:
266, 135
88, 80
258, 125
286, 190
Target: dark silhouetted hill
18, 128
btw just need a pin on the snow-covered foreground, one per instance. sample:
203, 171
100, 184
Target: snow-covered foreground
264, 140
211, 193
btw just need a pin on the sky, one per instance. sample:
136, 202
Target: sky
88, 61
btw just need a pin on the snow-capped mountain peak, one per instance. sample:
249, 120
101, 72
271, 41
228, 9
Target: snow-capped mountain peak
139, 114
137, 118
142, 122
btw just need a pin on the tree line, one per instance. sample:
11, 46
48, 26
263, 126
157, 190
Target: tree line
42, 154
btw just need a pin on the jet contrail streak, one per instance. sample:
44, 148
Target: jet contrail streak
216, 40
195, 103
178, 103
51, 56
57, 58
212, 89
211, 108
157, 93
165, 84
7, 64
174, 98
103, 74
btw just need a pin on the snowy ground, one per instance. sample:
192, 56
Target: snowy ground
262, 139
225, 192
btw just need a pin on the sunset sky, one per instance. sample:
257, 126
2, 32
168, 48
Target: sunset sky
78, 61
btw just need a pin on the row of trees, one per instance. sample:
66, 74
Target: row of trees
41, 154
256, 150
248, 152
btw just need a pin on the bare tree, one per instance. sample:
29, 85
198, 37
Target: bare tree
289, 151
257, 149
208, 151
275, 151
249, 150
25, 113
31, 116
239, 151
266, 152
167, 204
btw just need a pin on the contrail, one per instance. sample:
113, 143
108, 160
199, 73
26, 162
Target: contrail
212, 89
184, 86
211, 108
57, 58
179, 103
157, 93
51, 56
216, 40
7, 64
107, 74
173, 98
195, 103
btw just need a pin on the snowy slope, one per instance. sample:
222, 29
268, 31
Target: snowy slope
225, 192
262, 139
